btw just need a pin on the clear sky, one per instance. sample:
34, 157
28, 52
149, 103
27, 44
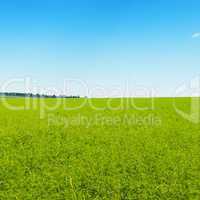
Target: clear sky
149, 43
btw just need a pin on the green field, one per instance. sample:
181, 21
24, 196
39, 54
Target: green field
106, 149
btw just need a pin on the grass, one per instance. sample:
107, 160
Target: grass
125, 149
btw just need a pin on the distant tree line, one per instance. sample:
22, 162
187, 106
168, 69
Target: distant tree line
16, 94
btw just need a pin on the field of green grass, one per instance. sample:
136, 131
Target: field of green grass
105, 149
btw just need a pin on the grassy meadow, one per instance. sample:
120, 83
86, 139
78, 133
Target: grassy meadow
98, 149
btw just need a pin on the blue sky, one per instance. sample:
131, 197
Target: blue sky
105, 43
